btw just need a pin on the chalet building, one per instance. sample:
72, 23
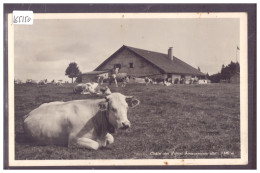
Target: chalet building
141, 63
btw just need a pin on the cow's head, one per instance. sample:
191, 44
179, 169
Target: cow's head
105, 91
117, 106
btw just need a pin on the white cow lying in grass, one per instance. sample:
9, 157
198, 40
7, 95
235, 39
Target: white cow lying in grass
58, 83
85, 123
91, 88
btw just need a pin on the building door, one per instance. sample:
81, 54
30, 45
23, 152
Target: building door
169, 78
117, 66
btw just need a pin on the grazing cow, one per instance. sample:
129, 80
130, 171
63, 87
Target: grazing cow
85, 123
113, 76
125, 81
91, 88
167, 83
58, 83
103, 90
81, 89
42, 82
176, 81
100, 80
187, 81
17, 81
148, 80
30, 81
203, 81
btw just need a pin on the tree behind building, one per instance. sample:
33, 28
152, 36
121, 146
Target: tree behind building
72, 70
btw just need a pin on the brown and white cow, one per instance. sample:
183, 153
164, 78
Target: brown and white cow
86, 123
43, 82
91, 88
148, 80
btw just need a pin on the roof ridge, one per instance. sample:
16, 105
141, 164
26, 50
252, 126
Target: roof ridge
159, 60
165, 56
145, 50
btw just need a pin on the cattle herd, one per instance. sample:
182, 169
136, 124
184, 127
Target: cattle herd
91, 88
40, 82
86, 123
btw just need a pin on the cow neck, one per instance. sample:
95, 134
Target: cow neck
110, 127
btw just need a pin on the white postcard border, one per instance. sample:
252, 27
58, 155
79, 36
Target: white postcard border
135, 162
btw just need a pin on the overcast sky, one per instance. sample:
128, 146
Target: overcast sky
45, 49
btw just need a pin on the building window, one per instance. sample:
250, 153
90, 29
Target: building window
131, 65
117, 66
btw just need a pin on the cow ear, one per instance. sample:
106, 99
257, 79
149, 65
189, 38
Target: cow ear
107, 99
132, 102
103, 106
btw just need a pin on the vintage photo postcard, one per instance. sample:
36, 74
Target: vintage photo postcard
127, 89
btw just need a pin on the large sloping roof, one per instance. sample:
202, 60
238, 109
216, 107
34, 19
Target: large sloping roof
162, 61
95, 72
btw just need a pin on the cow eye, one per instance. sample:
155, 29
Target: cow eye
113, 109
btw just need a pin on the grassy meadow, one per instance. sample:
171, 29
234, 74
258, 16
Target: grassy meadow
179, 121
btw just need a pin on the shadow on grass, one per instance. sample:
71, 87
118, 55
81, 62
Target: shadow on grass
105, 149
22, 138
67, 93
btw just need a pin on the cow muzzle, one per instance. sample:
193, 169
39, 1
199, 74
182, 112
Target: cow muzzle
125, 125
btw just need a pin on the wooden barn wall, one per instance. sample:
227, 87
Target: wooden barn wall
141, 67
